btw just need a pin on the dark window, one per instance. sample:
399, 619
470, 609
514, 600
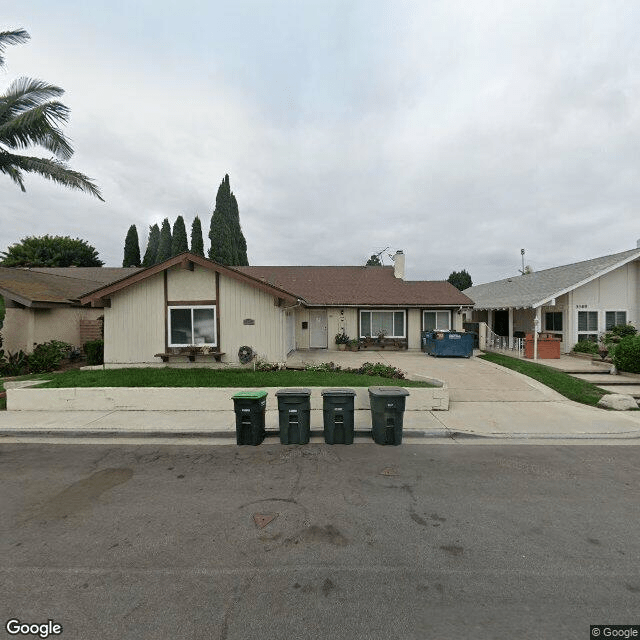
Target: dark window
613, 318
553, 321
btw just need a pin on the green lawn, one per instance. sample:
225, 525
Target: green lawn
202, 377
568, 386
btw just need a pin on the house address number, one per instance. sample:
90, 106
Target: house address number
581, 306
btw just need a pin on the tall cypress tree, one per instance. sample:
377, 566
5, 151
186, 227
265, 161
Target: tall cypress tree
228, 245
220, 231
179, 242
197, 245
152, 246
239, 242
131, 248
164, 246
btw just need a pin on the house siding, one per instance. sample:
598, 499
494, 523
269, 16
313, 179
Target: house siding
185, 285
267, 336
134, 325
25, 327
614, 291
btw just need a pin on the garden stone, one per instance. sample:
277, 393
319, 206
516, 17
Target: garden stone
618, 401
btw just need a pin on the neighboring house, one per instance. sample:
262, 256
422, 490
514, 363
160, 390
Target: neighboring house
574, 302
189, 301
43, 304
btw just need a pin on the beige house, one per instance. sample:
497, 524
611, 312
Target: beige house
175, 308
43, 304
573, 302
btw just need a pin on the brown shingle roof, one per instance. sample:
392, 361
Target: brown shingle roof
55, 285
357, 286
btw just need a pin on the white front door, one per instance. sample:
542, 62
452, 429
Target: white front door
318, 329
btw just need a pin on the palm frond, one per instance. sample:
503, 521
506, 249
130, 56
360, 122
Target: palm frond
17, 36
26, 93
8, 168
49, 168
37, 125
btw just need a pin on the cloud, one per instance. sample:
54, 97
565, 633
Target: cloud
455, 131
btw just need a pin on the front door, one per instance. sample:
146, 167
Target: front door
318, 329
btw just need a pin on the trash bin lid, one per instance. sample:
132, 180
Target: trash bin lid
338, 392
293, 392
388, 391
251, 395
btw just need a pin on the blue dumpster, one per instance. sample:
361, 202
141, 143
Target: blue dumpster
447, 343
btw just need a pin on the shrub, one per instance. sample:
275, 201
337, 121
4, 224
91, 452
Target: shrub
323, 367
13, 364
260, 364
379, 369
623, 330
47, 356
585, 346
627, 354
95, 352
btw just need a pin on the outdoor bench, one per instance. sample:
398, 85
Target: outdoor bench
217, 355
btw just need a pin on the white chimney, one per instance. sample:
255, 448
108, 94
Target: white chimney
398, 264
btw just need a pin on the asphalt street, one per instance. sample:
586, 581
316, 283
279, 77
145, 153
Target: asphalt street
315, 541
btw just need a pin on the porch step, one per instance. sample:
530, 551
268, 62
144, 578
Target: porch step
572, 372
624, 390
608, 379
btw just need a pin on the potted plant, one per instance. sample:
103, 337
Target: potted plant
342, 339
354, 345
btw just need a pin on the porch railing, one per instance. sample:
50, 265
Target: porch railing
494, 342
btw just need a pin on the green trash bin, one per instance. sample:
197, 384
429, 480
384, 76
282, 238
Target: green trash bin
337, 413
250, 407
387, 414
294, 411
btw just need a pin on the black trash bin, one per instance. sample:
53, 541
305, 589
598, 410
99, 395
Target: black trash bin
250, 407
294, 410
387, 414
337, 413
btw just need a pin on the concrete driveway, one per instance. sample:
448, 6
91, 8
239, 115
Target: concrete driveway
468, 379
493, 402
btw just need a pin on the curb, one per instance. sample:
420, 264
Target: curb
360, 434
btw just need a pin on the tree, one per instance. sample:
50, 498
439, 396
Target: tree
197, 245
30, 115
228, 244
51, 251
238, 242
164, 245
460, 279
152, 246
374, 261
179, 242
131, 248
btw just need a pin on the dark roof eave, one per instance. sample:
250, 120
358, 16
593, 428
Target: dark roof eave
380, 305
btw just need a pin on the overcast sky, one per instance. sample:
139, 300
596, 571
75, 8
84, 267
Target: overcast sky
458, 131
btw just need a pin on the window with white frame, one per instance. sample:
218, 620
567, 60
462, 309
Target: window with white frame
612, 318
390, 323
553, 321
192, 326
587, 326
437, 321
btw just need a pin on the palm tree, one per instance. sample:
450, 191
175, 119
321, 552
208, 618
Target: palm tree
30, 115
